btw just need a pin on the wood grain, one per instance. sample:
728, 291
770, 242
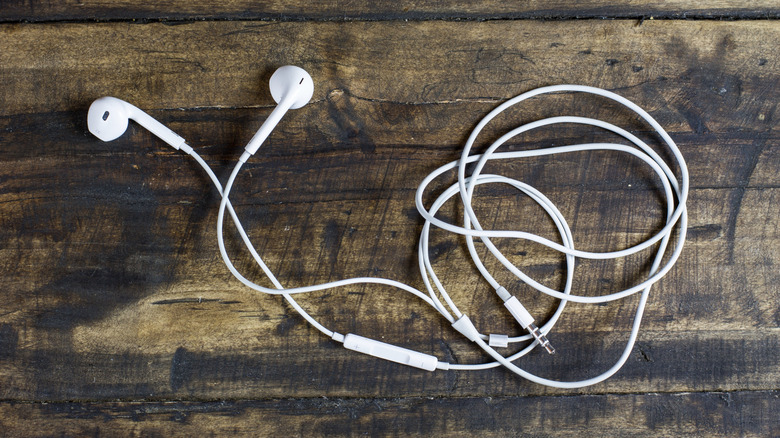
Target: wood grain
113, 288
687, 69
749, 414
36, 10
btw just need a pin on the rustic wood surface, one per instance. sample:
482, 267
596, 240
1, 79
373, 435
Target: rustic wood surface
118, 317
31, 11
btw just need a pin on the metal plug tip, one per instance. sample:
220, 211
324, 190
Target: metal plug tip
541, 338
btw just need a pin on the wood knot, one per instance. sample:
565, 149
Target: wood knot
335, 94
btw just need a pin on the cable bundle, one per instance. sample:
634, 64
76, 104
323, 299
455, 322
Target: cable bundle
675, 191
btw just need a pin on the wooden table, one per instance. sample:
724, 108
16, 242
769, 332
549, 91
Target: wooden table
118, 316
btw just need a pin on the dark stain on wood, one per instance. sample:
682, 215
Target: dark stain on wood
742, 413
193, 300
348, 122
180, 369
705, 232
9, 340
287, 323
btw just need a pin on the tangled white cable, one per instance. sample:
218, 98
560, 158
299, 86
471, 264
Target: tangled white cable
471, 228
676, 193
676, 217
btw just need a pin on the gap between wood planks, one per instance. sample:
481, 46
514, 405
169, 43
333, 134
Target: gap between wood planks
168, 400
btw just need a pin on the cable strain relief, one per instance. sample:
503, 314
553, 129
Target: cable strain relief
503, 293
338, 337
244, 157
498, 341
185, 148
519, 312
443, 366
466, 328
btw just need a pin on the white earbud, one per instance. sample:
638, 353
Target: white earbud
108, 118
291, 87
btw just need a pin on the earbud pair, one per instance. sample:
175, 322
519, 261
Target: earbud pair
291, 88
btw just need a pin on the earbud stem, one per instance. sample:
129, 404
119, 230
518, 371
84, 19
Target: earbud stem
270, 123
156, 127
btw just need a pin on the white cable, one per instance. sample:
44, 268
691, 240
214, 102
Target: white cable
676, 217
468, 232
559, 220
252, 250
466, 187
295, 290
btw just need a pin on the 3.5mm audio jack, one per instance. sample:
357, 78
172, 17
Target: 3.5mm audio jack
534, 330
524, 318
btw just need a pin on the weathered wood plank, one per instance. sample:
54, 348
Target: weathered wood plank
749, 414
296, 361
694, 74
37, 10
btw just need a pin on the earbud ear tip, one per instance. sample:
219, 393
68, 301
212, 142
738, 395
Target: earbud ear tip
107, 118
288, 77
